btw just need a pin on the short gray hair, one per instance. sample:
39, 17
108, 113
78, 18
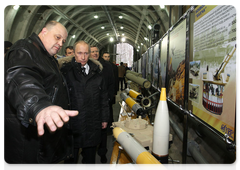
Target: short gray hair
81, 42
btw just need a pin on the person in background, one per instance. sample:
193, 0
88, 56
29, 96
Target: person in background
109, 80
4, 47
36, 100
88, 95
106, 57
121, 73
69, 55
126, 68
69, 51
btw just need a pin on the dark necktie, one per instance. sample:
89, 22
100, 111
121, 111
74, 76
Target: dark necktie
83, 71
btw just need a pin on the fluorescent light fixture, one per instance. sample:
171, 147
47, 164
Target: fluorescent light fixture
161, 5
111, 39
96, 16
16, 7
120, 16
102, 27
123, 39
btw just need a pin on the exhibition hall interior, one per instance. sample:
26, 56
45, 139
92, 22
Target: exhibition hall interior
178, 103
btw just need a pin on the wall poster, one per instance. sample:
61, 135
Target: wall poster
163, 62
155, 64
149, 64
144, 65
213, 69
176, 65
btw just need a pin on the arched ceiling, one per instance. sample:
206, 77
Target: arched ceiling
80, 21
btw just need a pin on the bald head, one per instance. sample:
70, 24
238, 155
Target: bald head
53, 36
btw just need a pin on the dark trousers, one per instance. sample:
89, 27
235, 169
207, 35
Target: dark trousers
102, 149
121, 80
125, 83
88, 155
111, 113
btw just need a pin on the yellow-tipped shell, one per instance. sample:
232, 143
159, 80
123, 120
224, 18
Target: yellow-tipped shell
146, 158
130, 102
134, 94
117, 131
163, 94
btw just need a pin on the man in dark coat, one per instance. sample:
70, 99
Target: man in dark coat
109, 79
106, 57
126, 68
36, 95
89, 96
121, 74
69, 51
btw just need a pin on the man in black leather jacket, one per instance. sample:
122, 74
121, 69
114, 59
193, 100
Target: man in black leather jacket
35, 99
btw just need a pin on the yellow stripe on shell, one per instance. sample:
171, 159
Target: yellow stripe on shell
146, 158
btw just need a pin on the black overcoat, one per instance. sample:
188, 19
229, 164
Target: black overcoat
88, 95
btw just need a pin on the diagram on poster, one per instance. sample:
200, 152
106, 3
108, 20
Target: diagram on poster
194, 68
194, 92
215, 50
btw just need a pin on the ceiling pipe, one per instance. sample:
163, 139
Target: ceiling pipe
62, 14
140, 25
111, 21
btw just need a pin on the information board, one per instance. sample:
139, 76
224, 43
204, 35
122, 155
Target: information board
213, 70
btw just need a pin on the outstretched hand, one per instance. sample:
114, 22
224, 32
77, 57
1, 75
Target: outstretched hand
54, 117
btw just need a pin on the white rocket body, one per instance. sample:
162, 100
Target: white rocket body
161, 127
136, 151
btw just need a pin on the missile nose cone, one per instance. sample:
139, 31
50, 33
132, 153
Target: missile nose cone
163, 94
117, 131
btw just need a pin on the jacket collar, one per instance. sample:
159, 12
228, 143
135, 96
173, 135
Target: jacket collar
97, 63
94, 65
38, 43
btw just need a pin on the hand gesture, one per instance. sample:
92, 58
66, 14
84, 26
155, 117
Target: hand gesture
54, 117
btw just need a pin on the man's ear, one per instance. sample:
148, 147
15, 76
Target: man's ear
44, 31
